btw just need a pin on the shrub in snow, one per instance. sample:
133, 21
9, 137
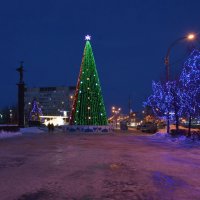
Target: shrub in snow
178, 132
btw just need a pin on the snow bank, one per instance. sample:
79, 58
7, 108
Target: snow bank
31, 130
160, 135
179, 139
5, 134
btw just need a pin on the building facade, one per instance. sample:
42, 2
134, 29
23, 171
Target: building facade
54, 101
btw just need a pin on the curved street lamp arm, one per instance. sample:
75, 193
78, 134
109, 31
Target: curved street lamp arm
173, 44
167, 55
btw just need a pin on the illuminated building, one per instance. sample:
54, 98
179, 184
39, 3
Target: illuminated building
54, 101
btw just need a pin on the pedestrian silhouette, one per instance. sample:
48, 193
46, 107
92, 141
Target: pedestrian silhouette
49, 127
52, 127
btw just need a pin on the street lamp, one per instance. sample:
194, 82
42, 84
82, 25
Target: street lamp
189, 37
115, 112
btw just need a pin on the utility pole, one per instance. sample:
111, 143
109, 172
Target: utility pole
129, 107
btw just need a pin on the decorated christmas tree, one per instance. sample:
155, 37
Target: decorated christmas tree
36, 112
88, 106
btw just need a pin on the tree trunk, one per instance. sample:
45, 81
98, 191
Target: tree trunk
168, 123
176, 117
176, 108
177, 122
189, 126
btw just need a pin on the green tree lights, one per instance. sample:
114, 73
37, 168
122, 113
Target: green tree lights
88, 106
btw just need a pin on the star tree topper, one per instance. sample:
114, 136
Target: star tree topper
87, 37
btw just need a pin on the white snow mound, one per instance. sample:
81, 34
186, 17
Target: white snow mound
31, 130
5, 134
161, 135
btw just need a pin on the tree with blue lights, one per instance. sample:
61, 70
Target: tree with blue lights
181, 97
175, 101
36, 112
190, 88
165, 101
157, 100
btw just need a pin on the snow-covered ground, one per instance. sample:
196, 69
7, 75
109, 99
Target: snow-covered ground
162, 135
97, 167
180, 139
34, 130
5, 134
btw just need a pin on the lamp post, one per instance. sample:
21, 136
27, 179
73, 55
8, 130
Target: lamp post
188, 37
115, 112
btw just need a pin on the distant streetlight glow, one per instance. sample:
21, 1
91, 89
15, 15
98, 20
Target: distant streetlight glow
116, 115
191, 36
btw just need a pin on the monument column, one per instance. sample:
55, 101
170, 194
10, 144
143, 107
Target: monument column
21, 89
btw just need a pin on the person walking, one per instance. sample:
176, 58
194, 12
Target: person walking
52, 128
49, 127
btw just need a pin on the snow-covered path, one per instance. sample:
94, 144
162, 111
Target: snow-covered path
96, 167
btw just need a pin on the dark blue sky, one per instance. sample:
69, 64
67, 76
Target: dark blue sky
129, 39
